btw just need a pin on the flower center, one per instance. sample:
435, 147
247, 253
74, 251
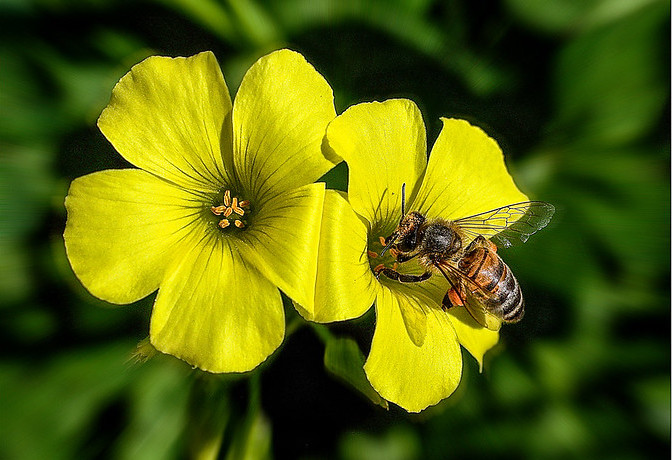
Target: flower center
376, 261
232, 211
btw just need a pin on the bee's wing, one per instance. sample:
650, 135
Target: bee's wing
481, 314
473, 305
509, 224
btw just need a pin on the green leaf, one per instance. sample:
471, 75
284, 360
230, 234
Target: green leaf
50, 407
611, 83
157, 410
398, 443
255, 24
209, 14
343, 358
566, 16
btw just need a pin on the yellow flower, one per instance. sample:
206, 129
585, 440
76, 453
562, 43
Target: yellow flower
415, 358
223, 211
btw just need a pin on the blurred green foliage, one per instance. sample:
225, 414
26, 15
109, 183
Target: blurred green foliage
576, 92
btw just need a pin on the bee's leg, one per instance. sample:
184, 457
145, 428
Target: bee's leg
405, 257
453, 297
401, 277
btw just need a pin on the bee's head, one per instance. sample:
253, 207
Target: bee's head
408, 231
405, 236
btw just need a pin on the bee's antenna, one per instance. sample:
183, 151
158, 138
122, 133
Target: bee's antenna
393, 239
403, 201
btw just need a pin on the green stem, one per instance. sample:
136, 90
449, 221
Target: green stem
294, 325
209, 415
322, 332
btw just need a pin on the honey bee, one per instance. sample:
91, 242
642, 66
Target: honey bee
479, 279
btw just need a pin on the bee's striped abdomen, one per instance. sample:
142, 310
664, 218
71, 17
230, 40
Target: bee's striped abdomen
501, 292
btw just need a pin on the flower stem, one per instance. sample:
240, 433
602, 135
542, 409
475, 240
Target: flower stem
322, 332
210, 413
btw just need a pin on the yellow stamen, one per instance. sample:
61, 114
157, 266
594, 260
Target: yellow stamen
238, 210
382, 241
230, 210
218, 210
372, 254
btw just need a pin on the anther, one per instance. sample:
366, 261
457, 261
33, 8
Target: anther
238, 210
372, 254
218, 210
378, 270
382, 241
230, 210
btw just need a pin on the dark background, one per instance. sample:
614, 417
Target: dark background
576, 92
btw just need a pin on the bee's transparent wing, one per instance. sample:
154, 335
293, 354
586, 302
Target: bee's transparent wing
475, 307
509, 224
481, 314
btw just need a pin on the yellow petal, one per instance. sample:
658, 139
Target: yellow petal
172, 117
124, 227
385, 146
466, 174
413, 310
215, 311
282, 241
419, 300
472, 336
345, 286
280, 114
410, 376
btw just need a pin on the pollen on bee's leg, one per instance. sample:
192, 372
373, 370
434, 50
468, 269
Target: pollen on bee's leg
238, 223
224, 223
455, 298
372, 254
